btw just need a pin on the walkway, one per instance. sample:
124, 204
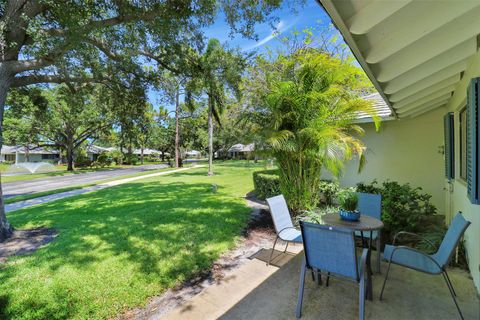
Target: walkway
27, 203
255, 291
24, 187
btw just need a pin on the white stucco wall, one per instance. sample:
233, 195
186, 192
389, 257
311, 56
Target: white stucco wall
404, 151
459, 200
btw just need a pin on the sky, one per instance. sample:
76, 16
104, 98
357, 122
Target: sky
311, 14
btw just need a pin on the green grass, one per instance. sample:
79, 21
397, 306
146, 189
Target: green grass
118, 246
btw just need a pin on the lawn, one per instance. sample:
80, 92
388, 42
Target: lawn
116, 247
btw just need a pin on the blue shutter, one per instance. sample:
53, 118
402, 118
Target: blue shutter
449, 146
473, 133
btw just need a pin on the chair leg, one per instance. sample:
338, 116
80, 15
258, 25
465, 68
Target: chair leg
379, 253
452, 294
328, 279
273, 249
361, 302
285, 248
298, 310
385, 281
319, 277
450, 283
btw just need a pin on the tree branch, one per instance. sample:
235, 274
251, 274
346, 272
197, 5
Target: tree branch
33, 79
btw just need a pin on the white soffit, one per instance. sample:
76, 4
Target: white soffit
414, 51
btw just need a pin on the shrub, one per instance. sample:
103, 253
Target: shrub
403, 206
131, 159
116, 156
314, 215
104, 160
328, 190
82, 161
266, 183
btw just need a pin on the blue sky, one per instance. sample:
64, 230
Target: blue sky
311, 14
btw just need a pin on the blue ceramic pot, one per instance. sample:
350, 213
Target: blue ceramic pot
349, 215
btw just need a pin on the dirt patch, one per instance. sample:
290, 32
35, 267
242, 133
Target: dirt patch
258, 234
25, 241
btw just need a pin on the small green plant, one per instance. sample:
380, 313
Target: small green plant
348, 200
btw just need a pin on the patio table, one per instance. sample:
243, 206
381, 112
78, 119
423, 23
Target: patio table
365, 223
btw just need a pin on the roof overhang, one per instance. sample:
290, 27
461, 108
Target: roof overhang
414, 52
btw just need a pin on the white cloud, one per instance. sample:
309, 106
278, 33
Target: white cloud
280, 28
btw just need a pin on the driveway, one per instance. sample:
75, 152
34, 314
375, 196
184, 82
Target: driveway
17, 188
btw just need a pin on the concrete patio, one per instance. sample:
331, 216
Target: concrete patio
255, 291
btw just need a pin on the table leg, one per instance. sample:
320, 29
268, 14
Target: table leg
369, 270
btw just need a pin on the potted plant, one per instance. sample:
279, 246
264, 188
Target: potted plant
348, 201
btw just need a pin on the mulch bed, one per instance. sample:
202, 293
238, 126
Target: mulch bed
25, 241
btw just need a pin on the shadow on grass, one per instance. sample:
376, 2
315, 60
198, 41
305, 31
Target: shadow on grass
145, 232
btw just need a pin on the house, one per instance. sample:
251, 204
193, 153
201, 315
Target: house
20, 154
423, 58
193, 154
94, 151
241, 151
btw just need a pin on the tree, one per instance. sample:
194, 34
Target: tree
66, 117
22, 118
310, 104
56, 42
219, 77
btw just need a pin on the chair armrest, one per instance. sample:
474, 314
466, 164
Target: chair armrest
363, 262
418, 251
279, 232
415, 235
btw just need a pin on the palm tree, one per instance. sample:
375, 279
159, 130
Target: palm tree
219, 77
310, 108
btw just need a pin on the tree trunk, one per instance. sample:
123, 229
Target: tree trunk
27, 154
163, 156
70, 158
141, 155
210, 136
177, 130
5, 79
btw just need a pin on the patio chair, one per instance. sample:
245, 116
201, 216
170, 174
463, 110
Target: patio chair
428, 263
370, 204
332, 250
283, 223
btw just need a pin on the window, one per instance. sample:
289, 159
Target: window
9, 157
449, 146
49, 156
463, 143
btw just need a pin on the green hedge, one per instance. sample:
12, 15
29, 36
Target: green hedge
266, 183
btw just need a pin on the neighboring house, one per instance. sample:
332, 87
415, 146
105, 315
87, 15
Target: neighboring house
19, 154
94, 151
423, 57
193, 154
241, 151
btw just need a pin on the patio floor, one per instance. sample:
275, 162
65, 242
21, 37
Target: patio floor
255, 291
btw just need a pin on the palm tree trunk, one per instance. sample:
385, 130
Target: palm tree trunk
210, 136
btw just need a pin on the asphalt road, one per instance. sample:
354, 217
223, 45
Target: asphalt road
17, 188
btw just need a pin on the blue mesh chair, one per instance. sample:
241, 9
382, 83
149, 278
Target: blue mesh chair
283, 223
370, 204
429, 263
332, 250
